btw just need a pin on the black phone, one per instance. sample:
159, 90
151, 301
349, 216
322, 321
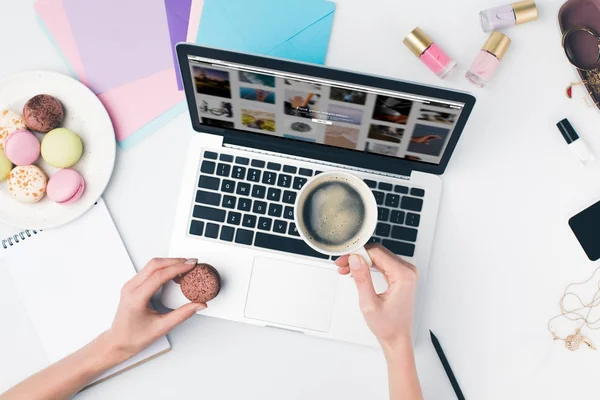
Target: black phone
586, 227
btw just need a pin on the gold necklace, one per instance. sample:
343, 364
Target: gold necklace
572, 342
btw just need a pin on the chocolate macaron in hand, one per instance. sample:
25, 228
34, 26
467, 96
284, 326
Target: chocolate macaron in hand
42, 113
201, 284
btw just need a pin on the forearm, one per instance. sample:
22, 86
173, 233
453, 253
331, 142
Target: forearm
402, 371
63, 379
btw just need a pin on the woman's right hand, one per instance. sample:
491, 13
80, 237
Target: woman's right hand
389, 315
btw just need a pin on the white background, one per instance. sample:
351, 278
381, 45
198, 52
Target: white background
503, 250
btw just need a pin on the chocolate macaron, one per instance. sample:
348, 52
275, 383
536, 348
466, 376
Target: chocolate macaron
201, 284
42, 113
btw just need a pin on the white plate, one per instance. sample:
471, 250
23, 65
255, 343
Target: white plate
84, 115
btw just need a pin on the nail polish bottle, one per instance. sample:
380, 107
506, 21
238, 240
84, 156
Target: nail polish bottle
508, 15
487, 59
430, 53
578, 146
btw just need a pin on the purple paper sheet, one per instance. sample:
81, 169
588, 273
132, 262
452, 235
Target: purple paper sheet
120, 41
178, 16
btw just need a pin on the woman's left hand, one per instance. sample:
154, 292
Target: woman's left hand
137, 325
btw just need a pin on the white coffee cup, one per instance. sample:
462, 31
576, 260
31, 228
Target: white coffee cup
342, 217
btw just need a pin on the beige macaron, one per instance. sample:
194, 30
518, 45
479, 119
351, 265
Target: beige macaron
27, 184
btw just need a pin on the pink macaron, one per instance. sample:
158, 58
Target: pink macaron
22, 147
65, 187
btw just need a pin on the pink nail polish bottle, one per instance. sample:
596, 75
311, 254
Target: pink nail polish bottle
488, 59
430, 53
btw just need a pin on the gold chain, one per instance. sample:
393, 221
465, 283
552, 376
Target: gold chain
572, 342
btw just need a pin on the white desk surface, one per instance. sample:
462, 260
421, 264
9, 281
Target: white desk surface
503, 250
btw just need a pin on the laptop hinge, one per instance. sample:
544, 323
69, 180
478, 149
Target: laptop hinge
318, 162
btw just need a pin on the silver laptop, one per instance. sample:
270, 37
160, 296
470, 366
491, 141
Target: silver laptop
264, 127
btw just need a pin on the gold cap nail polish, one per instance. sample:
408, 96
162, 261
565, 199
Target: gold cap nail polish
497, 44
525, 11
417, 41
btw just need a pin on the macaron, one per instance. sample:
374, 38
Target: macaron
42, 113
201, 284
61, 148
65, 187
10, 121
5, 166
22, 147
27, 183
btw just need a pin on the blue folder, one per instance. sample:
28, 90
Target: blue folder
294, 29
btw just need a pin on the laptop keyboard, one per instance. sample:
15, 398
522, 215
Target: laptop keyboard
250, 202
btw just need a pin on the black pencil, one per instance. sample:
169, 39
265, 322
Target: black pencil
446, 365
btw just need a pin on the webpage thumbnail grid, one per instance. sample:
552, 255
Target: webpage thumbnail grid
334, 116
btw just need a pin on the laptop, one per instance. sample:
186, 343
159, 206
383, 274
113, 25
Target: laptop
264, 127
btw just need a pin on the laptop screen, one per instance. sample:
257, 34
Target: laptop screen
325, 112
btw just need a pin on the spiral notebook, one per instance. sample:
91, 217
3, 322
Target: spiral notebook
59, 289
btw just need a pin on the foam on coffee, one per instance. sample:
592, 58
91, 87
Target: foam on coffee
333, 214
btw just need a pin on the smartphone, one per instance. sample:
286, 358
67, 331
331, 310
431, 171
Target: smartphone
586, 227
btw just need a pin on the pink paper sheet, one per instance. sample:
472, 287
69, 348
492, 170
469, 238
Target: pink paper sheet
195, 16
131, 106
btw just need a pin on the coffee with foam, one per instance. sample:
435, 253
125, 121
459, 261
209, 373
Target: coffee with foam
333, 214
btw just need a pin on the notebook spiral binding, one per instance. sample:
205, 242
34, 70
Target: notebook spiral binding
19, 237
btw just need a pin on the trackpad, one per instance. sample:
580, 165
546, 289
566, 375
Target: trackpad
293, 294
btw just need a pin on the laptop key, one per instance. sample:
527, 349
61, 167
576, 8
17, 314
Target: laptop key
378, 197
212, 198
397, 217
385, 186
411, 204
212, 231
284, 180
260, 207
209, 213
289, 197
227, 186
264, 224
392, 200
227, 233
226, 158
197, 228
249, 221
383, 214
209, 182
223, 169
305, 172
258, 163
275, 210
274, 194
244, 205
238, 172
228, 202
383, 230
399, 248
286, 244
242, 160
404, 233
289, 169
299, 182
288, 213
243, 236
374, 240
211, 155
371, 184
208, 167
253, 175
293, 230
243, 189
259, 191
318, 172
269, 178
413, 219
400, 189
280, 226
417, 192
274, 166
234, 218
